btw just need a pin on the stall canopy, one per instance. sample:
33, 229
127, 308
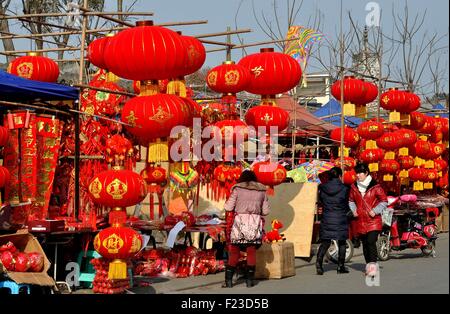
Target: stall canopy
302, 118
14, 88
438, 110
331, 113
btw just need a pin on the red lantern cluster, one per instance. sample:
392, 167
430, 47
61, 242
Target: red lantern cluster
35, 67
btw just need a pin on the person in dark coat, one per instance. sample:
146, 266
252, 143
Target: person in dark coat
333, 195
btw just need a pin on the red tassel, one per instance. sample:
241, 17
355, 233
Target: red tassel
270, 191
160, 201
152, 209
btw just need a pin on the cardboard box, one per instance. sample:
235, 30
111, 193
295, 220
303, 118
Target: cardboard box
46, 225
275, 260
25, 242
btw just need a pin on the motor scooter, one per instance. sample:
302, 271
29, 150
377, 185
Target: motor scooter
419, 233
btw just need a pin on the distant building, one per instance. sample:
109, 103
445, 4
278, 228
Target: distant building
316, 93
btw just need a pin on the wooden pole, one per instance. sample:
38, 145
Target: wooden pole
238, 31
341, 47
254, 44
48, 24
105, 90
7, 17
106, 17
213, 42
41, 50
228, 58
16, 104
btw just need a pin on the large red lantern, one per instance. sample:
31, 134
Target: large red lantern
146, 52
96, 52
3, 136
117, 243
370, 130
389, 141
429, 126
354, 94
422, 149
349, 177
414, 102
231, 130
228, 78
154, 116
266, 116
396, 101
117, 188
35, 67
4, 177
194, 108
269, 173
196, 55
351, 137
271, 72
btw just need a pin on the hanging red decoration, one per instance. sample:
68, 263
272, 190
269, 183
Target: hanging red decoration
436, 150
154, 175
228, 78
271, 72
146, 52
349, 177
417, 120
440, 165
390, 166
437, 136
422, 149
154, 116
96, 52
418, 174
354, 94
414, 103
443, 182
231, 130
196, 55
225, 176
269, 173
371, 155
3, 136
396, 101
370, 130
4, 177
349, 162
351, 137
407, 137
35, 67
406, 162
429, 126
266, 116
389, 141
117, 188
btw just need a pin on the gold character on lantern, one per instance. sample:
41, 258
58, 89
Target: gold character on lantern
25, 69
161, 116
113, 243
257, 70
95, 188
116, 189
212, 78
231, 77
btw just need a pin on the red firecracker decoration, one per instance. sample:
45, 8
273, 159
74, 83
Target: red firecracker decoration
225, 176
35, 67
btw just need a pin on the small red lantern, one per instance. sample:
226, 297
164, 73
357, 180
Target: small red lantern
440, 165
354, 94
228, 78
395, 100
267, 116
231, 130
422, 149
371, 155
154, 116
351, 137
35, 67
406, 162
436, 150
432, 175
417, 120
271, 72
3, 136
390, 166
429, 126
118, 244
437, 136
4, 177
154, 175
269, 173
349, 162
370, 130
389, 141
418, 174
117, 188
349, 177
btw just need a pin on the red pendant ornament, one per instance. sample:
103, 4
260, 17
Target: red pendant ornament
156, 179
269, 173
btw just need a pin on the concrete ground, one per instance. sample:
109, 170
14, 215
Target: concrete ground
405, 272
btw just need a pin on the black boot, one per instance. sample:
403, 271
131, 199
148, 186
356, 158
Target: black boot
341, 258
250, 276
319, 261
229, 272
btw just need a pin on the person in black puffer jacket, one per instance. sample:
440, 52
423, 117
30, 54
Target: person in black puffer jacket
333, 195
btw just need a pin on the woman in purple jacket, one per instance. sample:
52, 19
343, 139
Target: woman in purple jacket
249, 202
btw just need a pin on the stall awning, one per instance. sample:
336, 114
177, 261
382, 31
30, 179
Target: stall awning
14, 88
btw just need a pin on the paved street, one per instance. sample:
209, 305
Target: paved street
406, 272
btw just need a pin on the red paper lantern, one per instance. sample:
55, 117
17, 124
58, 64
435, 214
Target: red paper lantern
431, 175
96, 52
429, 126
117, 243
269, 173
418, 174
422, 149
436, 150
406, 162
390, 166
231, 130
354, 90
349, 177
196, 55
271, 72
443, 181
437, 136
417, 120
407, 137
414, 102
371, 155
349, 162
146, 52
35, 67
370, 94
154, 116
154, 175
225, 173
440, 165
395, 100
370, 130
117, 188
194, 108
267, 116
3, 136
351, 137
228, 78
4, 177
389, 141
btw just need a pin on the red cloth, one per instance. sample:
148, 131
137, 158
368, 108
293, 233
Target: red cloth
373, 196
235, 251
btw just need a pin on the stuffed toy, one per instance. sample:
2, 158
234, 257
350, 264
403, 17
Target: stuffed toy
274, 235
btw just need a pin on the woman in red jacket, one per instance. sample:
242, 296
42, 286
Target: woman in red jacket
367, 201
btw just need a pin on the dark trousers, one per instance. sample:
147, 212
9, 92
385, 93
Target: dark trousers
369, 243
325, 245
235, 251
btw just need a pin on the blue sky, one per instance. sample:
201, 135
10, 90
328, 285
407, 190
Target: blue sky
221, 13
